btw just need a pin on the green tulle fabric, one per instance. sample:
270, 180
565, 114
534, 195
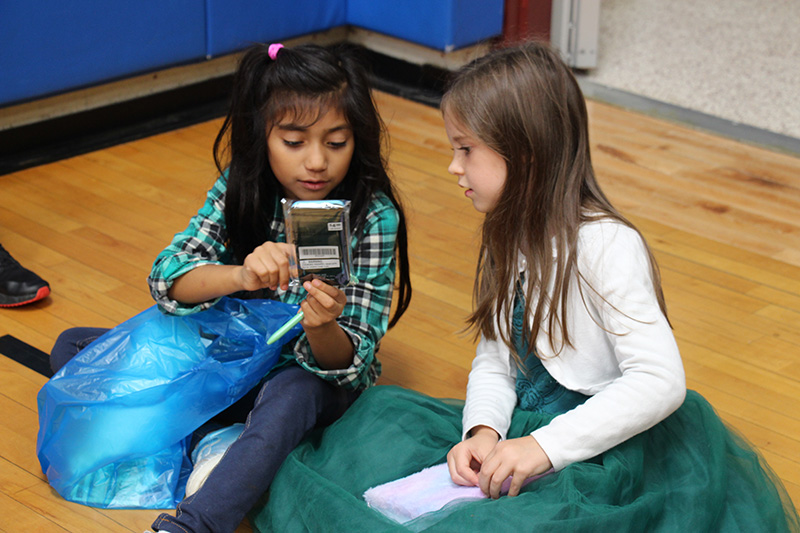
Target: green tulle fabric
688, 473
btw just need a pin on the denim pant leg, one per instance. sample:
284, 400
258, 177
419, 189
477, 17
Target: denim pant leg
70, 342
288, 407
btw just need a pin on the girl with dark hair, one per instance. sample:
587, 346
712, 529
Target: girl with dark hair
302, 125
576, 404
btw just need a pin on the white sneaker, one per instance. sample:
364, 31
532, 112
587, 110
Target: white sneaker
200, 473
208, 453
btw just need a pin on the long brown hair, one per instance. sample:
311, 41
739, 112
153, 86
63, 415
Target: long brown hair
526, 105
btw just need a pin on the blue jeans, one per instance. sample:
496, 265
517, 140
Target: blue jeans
290, 404
70, 342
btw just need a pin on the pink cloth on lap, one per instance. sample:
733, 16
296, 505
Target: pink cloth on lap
426, 491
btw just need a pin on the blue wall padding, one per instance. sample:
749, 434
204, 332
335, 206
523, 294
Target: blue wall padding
235, 24
441, 24
51, 46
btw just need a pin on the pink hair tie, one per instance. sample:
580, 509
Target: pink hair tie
273, 50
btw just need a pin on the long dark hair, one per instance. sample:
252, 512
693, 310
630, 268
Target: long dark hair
526, 105
301, 81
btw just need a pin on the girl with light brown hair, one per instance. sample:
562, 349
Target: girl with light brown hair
576, 405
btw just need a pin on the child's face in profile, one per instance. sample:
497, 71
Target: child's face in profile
310, 159
480, 170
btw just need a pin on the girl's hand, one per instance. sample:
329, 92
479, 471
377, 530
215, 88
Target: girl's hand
464, 460
323, 304
267, 267
331, 346
521, 458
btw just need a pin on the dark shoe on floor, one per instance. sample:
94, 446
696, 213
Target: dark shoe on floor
18, 285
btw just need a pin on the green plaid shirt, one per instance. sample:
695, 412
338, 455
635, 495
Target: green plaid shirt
365, 317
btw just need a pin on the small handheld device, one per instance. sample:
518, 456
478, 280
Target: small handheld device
320, 233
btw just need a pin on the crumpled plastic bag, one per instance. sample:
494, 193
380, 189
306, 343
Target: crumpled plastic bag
115, 422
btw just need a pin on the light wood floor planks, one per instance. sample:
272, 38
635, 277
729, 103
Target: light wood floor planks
722, 217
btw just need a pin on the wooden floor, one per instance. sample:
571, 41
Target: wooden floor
722, 217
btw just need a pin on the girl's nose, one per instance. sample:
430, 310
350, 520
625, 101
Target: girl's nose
315, 159
454, 168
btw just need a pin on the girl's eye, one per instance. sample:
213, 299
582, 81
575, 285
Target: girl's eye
465, 149
337, 144
287, 142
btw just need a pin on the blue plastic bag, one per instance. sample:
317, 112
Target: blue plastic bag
115, 422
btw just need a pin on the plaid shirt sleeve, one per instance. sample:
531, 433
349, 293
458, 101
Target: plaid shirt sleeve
365, 318
203, 242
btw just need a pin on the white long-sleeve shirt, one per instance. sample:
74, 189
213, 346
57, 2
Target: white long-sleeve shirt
623, 355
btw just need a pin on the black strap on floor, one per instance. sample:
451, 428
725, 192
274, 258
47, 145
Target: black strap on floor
25, 354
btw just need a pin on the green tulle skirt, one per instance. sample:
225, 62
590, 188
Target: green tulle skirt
690, 473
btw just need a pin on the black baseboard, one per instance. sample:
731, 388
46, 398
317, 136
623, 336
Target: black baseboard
420, 83
87, 131
63, 137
